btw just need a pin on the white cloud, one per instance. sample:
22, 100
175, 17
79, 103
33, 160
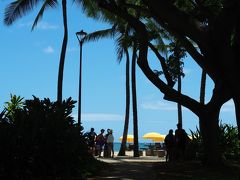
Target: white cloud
101, 117
46, 26
157, 105
150, 97
228, 107
40, 25
49, 50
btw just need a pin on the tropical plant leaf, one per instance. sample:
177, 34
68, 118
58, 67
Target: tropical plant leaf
17, 9
106, 33
47, 3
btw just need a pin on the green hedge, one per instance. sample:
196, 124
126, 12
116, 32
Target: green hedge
229, 143
40, 139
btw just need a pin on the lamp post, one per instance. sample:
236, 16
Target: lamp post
80, 35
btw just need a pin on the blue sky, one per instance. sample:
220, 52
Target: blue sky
29, 66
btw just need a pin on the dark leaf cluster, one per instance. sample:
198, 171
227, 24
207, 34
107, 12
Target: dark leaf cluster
175, 60
229, 143
41, 140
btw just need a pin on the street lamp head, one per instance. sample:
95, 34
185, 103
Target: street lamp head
81, 35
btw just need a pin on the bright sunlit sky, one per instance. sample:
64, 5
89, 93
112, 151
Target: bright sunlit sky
29, 66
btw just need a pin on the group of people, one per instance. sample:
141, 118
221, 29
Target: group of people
96, 143
176, 144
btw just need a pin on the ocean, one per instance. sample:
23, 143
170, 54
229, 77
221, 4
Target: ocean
117, 146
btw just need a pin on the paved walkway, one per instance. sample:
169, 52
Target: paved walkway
129, 168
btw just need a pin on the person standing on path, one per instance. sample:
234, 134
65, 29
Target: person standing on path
91, 140
110, 140
181, 139
100, 141
169, 143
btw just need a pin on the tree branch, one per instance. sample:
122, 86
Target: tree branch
164, 12
170, 93
163, 64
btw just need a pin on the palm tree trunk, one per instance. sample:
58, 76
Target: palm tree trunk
202, 87
127, 110
179, 105
63, 52
202, 92
134, 99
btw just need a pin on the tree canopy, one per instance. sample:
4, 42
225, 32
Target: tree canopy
209, 31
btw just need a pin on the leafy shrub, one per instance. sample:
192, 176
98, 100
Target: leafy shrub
40, 139
229, 143
194, 149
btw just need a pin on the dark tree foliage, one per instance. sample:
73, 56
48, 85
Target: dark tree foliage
42, 141
229, 146
209, 31
175, 60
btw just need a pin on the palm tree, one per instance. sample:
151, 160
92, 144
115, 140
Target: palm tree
63, 52
202, 92
175, 66
202, 87
134, 101
125, 40
15, 103
122, 150
119, 33
179, 107
18, 8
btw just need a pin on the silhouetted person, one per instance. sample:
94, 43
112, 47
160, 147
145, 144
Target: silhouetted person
106, 152
91, 140
169, 143
100, 141
110, 140
181, 141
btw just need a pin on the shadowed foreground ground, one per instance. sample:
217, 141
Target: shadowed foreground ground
153, 168
129, 168
196, 171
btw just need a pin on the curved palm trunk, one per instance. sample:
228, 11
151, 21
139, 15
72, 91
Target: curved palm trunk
134, 100
179, 105
63, 52
126, 123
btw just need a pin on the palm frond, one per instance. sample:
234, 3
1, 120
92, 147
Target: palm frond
17, 9
106, 33
47, 3
120, 52
89, 8
121, 44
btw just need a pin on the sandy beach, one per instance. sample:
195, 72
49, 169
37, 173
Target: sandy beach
129, 167
129, 158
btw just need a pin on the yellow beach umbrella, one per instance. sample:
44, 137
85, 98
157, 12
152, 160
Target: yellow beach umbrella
154, 136
130, 138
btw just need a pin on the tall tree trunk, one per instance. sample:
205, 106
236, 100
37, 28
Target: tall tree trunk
209, 125
203, 87
202, 91
179, 105
134, 102
63, 52
127, 110
237, 112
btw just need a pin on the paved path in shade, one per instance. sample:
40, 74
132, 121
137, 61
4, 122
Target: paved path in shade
129, 168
